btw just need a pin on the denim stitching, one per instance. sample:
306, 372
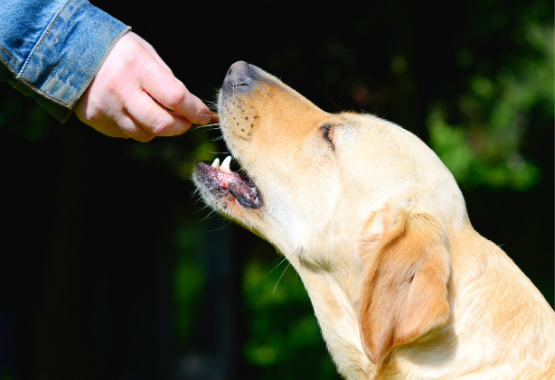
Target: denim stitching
6, 63
19, 81
52, 24
43, 93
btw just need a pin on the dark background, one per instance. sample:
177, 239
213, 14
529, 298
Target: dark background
111, 267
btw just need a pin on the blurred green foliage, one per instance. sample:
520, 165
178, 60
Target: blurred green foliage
503, 99
189, 278
6, 375
283, 334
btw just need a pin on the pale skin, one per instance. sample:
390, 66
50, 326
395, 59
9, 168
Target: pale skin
135, 95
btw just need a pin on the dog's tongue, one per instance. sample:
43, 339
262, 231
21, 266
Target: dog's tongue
240, 185
244, 190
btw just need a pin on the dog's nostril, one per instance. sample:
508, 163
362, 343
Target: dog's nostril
238, 74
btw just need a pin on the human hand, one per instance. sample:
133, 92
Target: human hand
128, 96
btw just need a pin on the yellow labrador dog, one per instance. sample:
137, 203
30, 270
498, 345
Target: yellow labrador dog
376, 227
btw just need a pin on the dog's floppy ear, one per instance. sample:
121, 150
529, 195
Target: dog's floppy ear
405, 291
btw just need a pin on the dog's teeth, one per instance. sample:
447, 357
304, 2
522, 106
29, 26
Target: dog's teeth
225, 165
216, 163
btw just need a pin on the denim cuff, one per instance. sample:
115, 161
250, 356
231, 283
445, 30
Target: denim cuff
67, 56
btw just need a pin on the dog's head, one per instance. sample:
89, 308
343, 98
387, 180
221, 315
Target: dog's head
361, 207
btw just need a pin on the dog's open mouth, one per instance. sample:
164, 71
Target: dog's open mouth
220, 180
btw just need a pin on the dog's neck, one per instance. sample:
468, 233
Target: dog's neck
334, 282
333, 294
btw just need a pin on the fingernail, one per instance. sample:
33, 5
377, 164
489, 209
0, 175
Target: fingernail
211, 117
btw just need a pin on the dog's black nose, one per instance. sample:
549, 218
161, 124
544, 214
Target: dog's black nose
238, 74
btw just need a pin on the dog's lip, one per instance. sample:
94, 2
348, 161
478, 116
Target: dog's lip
225, 182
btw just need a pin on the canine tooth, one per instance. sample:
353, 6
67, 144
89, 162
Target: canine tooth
216, 163
225, 165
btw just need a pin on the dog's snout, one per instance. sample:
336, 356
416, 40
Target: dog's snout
238, 74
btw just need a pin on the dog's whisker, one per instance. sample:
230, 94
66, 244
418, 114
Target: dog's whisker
194, 193
207, 216
279, 279
267, 274
222, 227
204, 126
204, 129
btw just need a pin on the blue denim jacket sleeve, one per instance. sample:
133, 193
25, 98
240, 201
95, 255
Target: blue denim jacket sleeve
52, 49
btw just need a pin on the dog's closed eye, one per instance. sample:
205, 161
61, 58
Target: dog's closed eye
328, 132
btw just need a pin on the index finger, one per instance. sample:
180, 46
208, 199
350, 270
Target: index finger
172, 93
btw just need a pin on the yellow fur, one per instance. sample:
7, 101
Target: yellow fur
376, 227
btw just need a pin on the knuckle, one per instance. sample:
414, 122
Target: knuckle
113, 85
145, 138
134, 60
176, 95
201, 109
133, 55
90, 117
90, 114
142, 136
160, 126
